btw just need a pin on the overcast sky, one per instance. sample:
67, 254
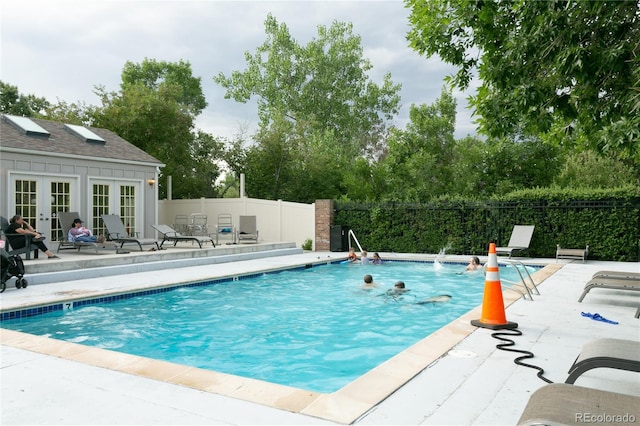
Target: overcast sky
61, 49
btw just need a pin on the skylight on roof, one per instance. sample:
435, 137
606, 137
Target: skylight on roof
26, 125
84, 133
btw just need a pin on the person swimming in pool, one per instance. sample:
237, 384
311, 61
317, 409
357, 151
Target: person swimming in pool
352, 256
474, 264
397, 292
398, 288
369, 283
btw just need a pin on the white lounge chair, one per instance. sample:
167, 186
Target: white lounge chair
520, 239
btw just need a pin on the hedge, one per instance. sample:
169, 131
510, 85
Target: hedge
607, 220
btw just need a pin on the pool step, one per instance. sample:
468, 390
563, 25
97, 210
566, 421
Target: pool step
77, 267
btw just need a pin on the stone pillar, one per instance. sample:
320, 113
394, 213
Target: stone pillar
324, 220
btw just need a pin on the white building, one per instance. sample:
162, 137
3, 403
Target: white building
49, 167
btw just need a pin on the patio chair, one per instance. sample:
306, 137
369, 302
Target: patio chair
563, 404
225, 228
66, 223
609, 353
577, 254
520, 239
118, 233
170, 234
632, 284
247, 230
198, 225
181, 223
27, 249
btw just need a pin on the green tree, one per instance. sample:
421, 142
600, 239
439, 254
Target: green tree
155, 110
72, 113
334, 111
563, 71
419, 157
589, 170
14, 103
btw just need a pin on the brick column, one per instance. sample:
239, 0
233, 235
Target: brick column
324, 220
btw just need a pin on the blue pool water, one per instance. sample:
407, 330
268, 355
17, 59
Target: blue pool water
314, 328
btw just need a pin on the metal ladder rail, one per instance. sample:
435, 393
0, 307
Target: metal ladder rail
351, 234
522, 293
521, 282
516, 264
526, 271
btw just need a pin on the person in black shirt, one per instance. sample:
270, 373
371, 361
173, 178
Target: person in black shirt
18, 232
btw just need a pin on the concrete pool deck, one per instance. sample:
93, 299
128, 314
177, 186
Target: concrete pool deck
456, 376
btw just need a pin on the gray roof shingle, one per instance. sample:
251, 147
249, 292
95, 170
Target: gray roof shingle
63, 141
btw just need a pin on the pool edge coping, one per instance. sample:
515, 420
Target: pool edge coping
344, 406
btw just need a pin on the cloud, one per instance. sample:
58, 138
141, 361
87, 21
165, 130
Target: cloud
62, 49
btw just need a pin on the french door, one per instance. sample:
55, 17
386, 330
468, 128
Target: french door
38, 199
115, 197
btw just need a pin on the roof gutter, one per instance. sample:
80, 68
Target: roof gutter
83, 157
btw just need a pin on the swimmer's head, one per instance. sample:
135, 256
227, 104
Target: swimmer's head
399, 284
368, 279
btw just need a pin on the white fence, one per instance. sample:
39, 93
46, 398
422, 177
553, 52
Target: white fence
277, 221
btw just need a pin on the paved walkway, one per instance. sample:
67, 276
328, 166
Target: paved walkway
472, 384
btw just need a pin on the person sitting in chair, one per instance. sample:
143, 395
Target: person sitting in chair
17, 225
83, 234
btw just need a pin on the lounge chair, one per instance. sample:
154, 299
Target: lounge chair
225, 228
608, 353
170, 234
66, 223
577, 254
520, 239
118, 233
617, 275
247, 230
27, 249
610, 283
563, 404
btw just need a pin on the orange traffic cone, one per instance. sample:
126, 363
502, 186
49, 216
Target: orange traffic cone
493, 315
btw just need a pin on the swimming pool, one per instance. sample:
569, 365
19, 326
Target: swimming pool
281, 344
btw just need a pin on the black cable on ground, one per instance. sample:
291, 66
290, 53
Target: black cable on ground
527, 354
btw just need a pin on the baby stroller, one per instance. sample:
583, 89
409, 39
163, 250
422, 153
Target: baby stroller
12, 266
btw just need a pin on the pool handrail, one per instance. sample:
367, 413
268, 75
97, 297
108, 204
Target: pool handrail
352, 234
516, 265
